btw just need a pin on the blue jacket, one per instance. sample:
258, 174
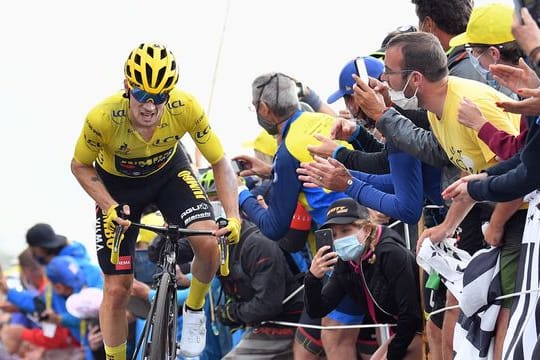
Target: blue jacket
401, 193
287, 190
94, 275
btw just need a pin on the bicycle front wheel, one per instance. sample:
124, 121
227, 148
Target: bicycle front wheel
164, 322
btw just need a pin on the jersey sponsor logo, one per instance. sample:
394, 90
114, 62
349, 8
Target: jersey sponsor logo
167, 141
141, 166
124, 149
92, 144
99, 235
124, 263
118, 113
203, 215
193, 184
203, 136
93, 129
199, 207
175, 104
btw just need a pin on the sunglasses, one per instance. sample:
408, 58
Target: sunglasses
143, 97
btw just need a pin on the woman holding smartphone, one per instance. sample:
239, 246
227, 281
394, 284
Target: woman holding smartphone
372, 265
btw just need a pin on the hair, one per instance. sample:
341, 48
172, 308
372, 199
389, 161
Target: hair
511, 52
422, 52
28, 261
265, 88
371, 242
451, 16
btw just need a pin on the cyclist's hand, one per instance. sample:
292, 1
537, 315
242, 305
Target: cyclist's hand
116, 215
231, 231
225, 316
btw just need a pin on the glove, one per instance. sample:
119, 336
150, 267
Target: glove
224, 316
233, 225
109, 223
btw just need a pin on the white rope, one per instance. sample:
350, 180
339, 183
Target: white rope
502, 297
334, 327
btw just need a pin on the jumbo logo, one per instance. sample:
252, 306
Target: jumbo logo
192, 183
142, 166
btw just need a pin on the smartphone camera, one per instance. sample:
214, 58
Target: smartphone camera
237, 166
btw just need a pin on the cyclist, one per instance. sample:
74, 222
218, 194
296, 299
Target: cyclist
128, 157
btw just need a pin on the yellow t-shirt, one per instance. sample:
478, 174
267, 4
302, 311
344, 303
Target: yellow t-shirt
461, 144
109, 139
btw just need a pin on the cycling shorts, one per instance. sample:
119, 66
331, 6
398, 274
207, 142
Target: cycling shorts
174, 190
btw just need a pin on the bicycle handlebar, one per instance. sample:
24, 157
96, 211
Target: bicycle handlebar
172, 230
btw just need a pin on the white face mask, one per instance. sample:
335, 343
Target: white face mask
399, 98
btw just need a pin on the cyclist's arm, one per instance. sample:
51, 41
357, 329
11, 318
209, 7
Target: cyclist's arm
227, 186
87, 176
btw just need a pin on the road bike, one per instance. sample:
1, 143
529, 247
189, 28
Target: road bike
158, 338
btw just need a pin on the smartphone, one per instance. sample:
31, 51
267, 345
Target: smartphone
237, 166
40, 307
324, 237
361, 69
532, 5
299, 89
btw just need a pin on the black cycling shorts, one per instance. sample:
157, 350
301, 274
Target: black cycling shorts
173, 189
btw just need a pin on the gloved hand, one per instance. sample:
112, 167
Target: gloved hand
233, 225
224, 316
110, 222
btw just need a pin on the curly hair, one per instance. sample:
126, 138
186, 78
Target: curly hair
371, 240
451, 16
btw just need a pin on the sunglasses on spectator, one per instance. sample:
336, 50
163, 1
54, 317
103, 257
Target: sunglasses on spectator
143, 96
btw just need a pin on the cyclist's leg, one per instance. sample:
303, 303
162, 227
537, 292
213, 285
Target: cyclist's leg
183, 202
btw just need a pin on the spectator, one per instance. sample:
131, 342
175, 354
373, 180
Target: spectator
408, 69
372, 265
45, 244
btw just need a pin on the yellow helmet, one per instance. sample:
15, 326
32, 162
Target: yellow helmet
152, 68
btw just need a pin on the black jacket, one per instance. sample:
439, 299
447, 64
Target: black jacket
393, 286
260, 279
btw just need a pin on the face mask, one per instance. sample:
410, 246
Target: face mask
270, 128
348, 248
484, 73
399, 98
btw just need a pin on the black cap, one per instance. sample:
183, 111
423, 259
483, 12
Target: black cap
345, 211
43, 235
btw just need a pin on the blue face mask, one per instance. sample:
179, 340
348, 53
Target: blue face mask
484, 73
348, 248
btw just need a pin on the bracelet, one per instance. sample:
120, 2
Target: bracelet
533, 54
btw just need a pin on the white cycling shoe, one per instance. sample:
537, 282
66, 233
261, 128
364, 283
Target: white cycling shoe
193, 338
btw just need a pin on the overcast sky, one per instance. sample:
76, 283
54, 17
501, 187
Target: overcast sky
59, 58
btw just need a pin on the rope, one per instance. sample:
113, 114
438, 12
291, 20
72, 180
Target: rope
502, 297
333, 327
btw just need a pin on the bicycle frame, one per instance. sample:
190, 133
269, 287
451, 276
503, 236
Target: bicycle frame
160, 325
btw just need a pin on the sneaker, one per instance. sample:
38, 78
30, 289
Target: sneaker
193, 338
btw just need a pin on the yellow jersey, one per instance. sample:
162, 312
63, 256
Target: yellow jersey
108, 138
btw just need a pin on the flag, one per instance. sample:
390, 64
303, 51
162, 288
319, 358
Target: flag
475, 282
521, 341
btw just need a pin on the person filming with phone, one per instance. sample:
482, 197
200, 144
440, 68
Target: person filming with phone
372, 265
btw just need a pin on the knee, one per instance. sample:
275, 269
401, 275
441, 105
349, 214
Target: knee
116, 291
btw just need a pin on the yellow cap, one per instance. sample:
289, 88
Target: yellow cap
154, 218
264, 143
489, 24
